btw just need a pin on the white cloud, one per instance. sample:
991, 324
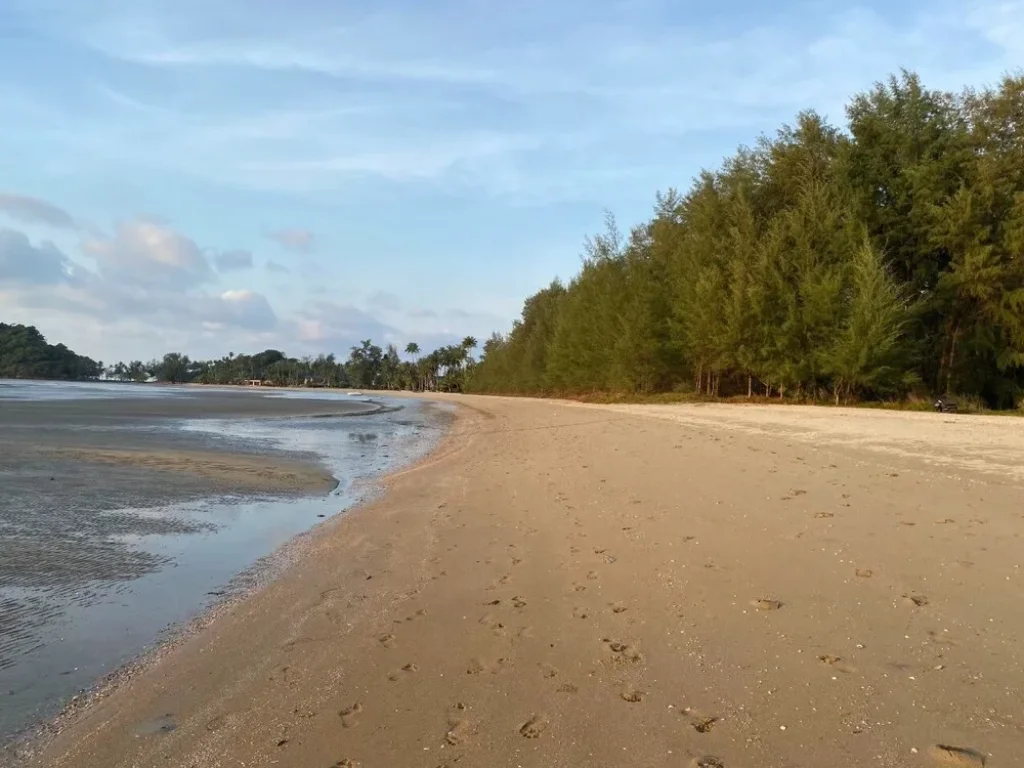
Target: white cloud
24, 263
294, 240
229, 261
32, 210
149, 252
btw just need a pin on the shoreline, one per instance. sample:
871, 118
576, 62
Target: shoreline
545, 589
158, 489
22, 748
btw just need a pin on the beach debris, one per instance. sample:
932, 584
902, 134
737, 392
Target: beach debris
766, 604
919, 600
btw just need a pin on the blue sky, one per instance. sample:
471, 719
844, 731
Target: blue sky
232, 175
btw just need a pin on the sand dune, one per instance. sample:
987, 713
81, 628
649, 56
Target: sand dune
565, 585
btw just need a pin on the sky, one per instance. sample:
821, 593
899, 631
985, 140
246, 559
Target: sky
214, 177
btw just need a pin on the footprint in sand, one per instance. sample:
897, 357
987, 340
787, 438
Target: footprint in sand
518, 602
624, 652
618, 608
864, 573
458, 732
388, 641
836, 662
580, 613
957, 757
707, 761
633, 697
410, 667
567, 688
920, 601
703, 724
534, 727
765, 604
345, 763
476, 667
350, 716
491, 622
824, 515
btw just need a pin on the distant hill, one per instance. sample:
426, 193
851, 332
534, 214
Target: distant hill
25, 354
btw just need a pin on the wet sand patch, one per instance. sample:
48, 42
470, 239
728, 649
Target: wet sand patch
239, 472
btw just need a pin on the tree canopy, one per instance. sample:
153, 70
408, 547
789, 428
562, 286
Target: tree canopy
368, 366
25, 354
866, 263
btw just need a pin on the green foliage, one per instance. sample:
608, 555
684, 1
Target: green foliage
25, 354
863, 264
367, 367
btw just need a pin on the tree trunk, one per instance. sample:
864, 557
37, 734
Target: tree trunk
952, 357
750, 386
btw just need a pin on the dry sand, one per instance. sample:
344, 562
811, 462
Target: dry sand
568, 585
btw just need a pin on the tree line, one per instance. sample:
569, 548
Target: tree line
25, 354
879, 261
368, 366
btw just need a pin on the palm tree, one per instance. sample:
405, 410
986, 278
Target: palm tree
412, 348
469, 343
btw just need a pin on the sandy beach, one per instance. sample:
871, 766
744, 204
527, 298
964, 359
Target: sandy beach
642, 586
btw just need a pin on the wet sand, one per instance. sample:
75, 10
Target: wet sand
103, 495
66, 465
578, 585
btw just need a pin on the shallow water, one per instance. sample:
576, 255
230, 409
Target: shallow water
94, 581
